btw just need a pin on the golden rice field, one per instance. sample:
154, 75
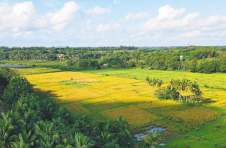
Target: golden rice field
134, 115
112, 96
194, 117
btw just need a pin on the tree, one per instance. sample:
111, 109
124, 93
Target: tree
148, 82
152, 138
7, 130
123, 133
82, 141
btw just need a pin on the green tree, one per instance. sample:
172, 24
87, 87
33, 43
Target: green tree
82, 141
152, 138
148, 82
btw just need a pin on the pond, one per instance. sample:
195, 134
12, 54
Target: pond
140, 136
15, 66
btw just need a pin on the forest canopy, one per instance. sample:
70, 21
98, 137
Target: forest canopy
191, 58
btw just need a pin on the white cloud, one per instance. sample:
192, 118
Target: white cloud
170, 19
97, 11
23, 16
108, 27
137, 16
168, 13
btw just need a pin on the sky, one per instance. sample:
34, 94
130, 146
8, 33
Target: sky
94, 23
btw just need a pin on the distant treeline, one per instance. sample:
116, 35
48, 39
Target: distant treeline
195, 59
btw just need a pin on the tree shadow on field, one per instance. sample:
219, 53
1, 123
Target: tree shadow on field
45, 94
207, 100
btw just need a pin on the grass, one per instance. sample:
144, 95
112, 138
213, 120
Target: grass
28, 71
114, 92
73, 83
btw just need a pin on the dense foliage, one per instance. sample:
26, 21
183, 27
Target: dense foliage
195, 59
181, 90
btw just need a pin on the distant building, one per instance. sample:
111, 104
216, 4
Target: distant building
105, 64
60, 56
181, 58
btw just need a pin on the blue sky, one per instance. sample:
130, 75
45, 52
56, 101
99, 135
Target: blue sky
112, 23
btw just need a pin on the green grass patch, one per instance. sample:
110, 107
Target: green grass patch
73, 83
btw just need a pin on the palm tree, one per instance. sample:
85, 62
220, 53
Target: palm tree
19, 143
6, 131
186, 89
65, 144
123, 127
107, 140
123, 133
159, 83
46, 132
82, 141
147, 81
153, 83
178, 88
152, 138
172, 84
183, 85
197, 92
190, 87
26, 138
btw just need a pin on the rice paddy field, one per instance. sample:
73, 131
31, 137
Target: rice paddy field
111, 93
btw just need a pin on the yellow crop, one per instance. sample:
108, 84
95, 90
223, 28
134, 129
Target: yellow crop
78, 108
134, 115
157, 104
194, 117
105, 104
108, 96
96, 100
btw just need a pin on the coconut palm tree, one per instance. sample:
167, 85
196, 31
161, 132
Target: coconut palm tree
187, 88
65, 144
178, 87
152, 138
190, 88
107, 140
159, 83
172, 84
183, 85
147, 81
82, 141
46, 133
123, 132
153, 83
6, 131
19, 143
197, 92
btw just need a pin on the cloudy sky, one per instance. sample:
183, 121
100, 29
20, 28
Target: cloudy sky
112, 23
